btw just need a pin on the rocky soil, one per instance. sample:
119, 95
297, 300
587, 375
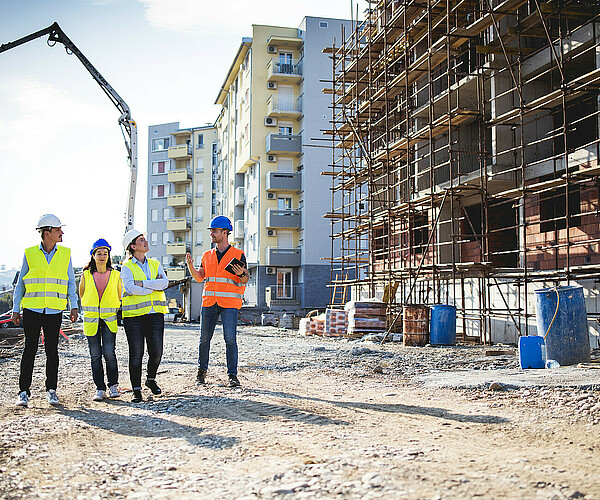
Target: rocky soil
314, 418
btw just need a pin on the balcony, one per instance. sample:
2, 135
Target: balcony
179, 200
283, 106
238, 229
180, 152
282, 218
179, 224
175, 273
180, 175
282, 256
239, 196
283, 70
180, 248
284, 143
283, 181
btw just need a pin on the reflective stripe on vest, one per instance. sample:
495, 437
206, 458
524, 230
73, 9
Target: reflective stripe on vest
220, 286
95, 309
138, 305
46, 284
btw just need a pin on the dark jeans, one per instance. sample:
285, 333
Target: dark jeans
208, 321
150, 327
103, 344
32, 323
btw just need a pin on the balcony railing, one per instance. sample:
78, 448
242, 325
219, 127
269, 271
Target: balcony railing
179, 200
179, 175
275, 256
239, 196
180, 151
175, 273
280, 295
179, 224
282, 105
283, 69
284, 143
282, 218
283, 181
180, 248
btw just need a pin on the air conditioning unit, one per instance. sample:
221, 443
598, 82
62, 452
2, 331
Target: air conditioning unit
271, 270
271, 232
271, 196
271, 85
270, 122
271, 49
271, 158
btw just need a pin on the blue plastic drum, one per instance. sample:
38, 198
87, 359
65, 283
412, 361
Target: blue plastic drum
442, 327
568, 338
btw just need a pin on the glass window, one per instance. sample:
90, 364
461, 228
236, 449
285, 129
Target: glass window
160, 190
215, 155
200, 141
160, 167
199, 237
199, 189
284, 203
160, 144
284, 284
154, 238
166, 213
200, 165
199, 213
154, 216
165, 260
165, 237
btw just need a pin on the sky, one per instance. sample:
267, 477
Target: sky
61, 148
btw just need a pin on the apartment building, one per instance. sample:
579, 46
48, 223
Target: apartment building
271, 155
180, 176
467, 153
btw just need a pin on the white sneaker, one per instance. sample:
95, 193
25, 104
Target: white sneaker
52, 397
100, 395
22, 399
113, 391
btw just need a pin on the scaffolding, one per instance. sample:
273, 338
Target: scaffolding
465, 155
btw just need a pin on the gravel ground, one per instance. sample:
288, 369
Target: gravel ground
314, 418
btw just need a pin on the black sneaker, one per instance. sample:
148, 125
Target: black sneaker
137, 396
200, 377
151, 384
233, 381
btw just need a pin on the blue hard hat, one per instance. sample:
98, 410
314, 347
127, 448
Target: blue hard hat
220, 222
101, 243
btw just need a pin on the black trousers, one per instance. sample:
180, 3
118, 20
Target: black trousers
150, 327
33, 322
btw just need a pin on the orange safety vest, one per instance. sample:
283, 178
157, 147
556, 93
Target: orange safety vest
220, 286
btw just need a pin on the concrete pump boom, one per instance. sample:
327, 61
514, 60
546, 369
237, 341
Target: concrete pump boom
127, 124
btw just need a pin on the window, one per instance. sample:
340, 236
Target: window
284, 284
199, 214
165, 260
199, 238
166, 213
215, 154
553, 209
199, 189
160, 190
285, 128
165, 238
285, 64
200, 141
160, 167
154, 215
198, 260
254, 205
420, 232
284, 203
323, 24
153, 238
200, 165
161, 144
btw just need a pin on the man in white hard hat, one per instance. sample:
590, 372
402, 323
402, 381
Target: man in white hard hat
46, 282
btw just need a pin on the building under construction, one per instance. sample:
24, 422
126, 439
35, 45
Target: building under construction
465, 157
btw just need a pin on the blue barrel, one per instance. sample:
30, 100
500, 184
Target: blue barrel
568, 339
530, 352
442, 327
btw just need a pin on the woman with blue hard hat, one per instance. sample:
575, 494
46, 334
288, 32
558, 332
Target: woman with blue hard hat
100, 292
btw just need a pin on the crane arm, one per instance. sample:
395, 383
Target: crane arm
128, 126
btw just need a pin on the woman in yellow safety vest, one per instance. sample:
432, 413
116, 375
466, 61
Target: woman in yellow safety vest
144, 309
100, 292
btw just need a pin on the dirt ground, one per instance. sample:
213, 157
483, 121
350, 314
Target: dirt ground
314, 418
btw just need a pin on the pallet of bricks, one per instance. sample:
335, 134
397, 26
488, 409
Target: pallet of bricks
336, 323
365, 317
313, 324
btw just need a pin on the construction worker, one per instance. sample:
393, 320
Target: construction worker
144, 309
100, 292
45, 283
222, 295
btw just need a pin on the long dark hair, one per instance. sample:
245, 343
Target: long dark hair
91, 265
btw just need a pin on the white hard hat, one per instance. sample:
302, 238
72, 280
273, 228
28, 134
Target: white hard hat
48, 220
129, 236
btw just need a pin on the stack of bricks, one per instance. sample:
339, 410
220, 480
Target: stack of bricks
312, 326
336, 323
365, 317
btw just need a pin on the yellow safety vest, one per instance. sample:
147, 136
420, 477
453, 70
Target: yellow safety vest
95, 309
46, 283
138, 305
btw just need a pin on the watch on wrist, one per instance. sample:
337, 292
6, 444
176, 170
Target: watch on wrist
242, 275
